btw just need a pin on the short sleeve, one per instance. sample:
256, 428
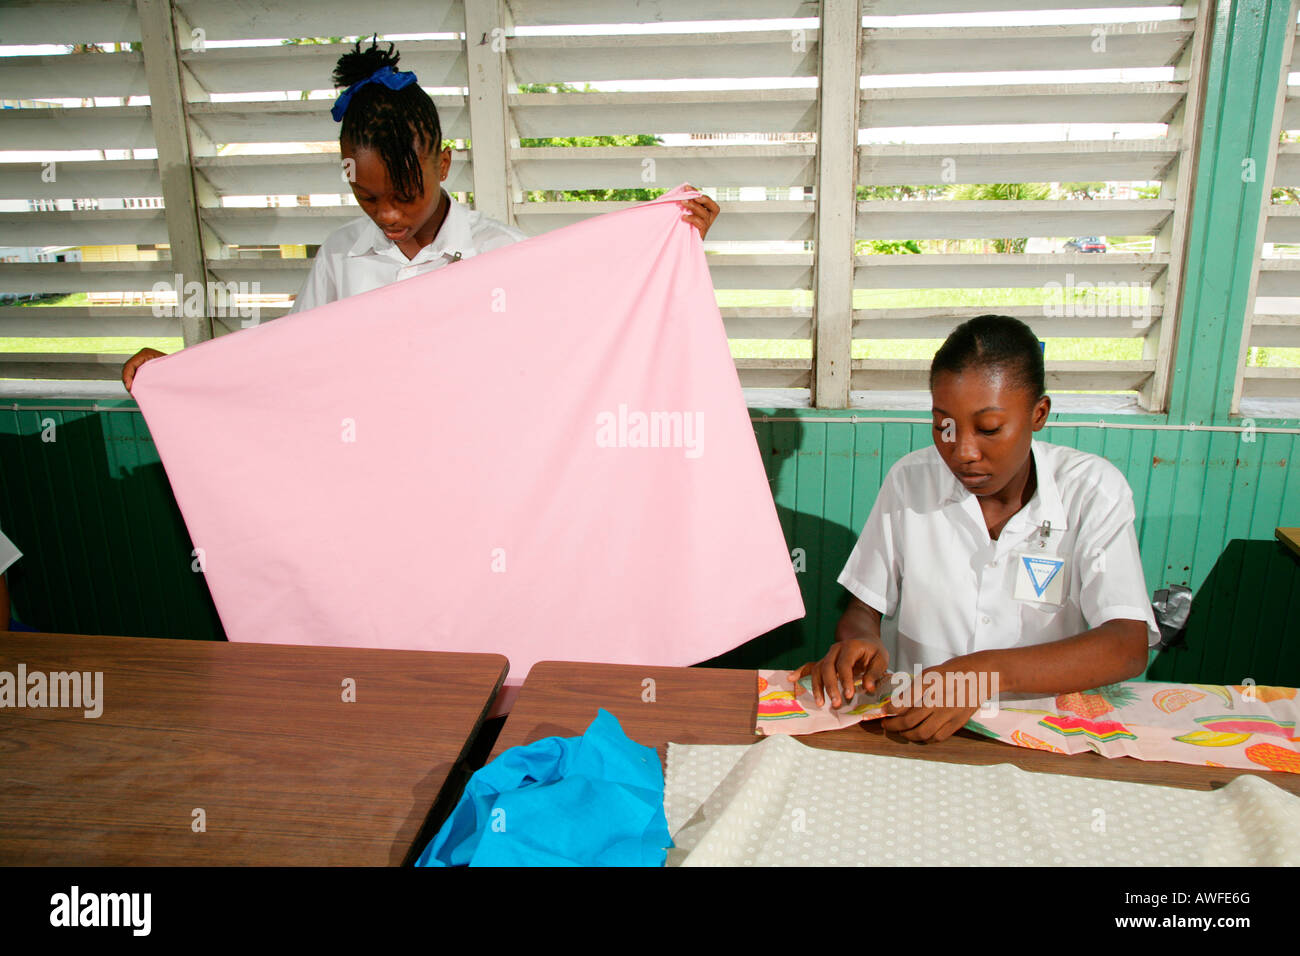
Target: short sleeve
874, 571
1113, 586
8, 553
319, 287
504, 236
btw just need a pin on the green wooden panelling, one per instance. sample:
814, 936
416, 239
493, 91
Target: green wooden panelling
107, 552
1240, 100
1195, 494
1243, 622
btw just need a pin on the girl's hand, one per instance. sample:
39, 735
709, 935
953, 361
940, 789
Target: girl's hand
931, 724
835, 672
700, 212
134, 362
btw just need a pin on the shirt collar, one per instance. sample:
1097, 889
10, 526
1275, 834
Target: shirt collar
454, 236
1045, 505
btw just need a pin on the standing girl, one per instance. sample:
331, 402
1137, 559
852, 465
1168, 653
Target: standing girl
395, 159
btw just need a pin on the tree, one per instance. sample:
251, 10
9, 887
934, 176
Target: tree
886, 247
1082, 190
1002, 191
585, 195
865, 193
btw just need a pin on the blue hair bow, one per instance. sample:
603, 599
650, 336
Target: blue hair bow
388, 76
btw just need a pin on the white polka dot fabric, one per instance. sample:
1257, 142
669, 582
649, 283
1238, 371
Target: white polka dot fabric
782, 803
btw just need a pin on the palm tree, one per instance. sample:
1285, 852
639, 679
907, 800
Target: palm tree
991, 191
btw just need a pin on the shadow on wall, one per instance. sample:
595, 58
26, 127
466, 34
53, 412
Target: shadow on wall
1244, 623
105, 550
1245, 620
820, 547
809, 637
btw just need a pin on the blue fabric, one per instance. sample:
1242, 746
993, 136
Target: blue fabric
594, 800
17, 625
388, 76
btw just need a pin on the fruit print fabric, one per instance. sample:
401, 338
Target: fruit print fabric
1244, 726
785, 707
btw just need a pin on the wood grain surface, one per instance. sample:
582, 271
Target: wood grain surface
704, 706
256, 735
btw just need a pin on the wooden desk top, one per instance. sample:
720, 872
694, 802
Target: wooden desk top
256, 735
704, 706
1289, 537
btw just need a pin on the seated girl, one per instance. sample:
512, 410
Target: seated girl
991, 553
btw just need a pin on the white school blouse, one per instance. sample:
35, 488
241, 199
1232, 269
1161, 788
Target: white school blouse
358, 257
926, 562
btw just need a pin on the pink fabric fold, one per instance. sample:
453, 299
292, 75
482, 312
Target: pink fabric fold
542, 451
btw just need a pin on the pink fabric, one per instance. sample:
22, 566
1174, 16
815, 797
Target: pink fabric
476, 394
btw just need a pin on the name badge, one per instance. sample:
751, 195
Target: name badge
1039, 577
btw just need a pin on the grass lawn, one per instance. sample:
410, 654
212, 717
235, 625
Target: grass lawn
1058, 349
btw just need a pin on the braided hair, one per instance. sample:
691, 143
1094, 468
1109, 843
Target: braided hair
994, 341
398, 124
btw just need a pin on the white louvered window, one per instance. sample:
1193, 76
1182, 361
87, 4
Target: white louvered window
1031, 163
75, 143
720, 95
1268, 370
1080, 120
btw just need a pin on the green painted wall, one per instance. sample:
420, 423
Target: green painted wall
1197, 496
107, 552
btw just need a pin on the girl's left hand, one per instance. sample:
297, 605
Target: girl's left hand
922, 724
700, 212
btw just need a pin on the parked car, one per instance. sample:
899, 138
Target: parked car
1086, 244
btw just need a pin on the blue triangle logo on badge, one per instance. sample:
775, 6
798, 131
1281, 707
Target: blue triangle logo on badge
1042, 571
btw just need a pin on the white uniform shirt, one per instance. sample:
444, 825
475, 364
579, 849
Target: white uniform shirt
358, 257
926, 562
8, 555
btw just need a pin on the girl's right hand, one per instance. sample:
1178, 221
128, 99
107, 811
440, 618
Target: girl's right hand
134, 362
843, 663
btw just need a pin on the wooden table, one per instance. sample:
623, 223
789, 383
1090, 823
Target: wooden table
702, 706
257, 737
1289, 537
